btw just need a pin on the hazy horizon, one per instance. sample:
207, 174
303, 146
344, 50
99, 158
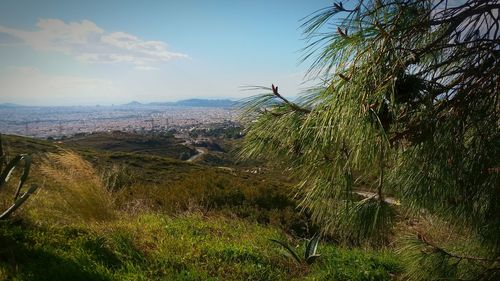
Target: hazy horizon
144, 102
60, 53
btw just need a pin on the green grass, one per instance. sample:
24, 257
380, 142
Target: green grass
166, 146
187, 247
169, 220
14, 145
355, 264
172, 186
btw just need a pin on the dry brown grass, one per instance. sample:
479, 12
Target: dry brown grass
73, 191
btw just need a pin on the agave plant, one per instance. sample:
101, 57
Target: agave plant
6, 169
310, 248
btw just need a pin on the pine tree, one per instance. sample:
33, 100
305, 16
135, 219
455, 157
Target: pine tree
408, 109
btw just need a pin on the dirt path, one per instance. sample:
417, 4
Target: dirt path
201, 151
367, 194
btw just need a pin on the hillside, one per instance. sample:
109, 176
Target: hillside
167, 146
187, 247
131, 215
375, 158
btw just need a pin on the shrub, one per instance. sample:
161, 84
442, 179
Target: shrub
74, 192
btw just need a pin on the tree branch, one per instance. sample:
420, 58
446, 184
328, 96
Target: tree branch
436, 248
294, 106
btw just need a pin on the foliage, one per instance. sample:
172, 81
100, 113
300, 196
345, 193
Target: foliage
156, 247
196, 223
117, 177
161, 145
138, 182
74, 192
6, 173
256, 198
310, 248
408, 107
355, 264
446, 251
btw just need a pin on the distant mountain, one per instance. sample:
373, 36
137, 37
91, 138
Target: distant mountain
5, 105
133, 103
189, 102
162, 103
206, 103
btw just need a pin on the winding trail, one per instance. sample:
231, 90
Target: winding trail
368, 194
201, 151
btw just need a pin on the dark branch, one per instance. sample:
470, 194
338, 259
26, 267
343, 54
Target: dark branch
294, 106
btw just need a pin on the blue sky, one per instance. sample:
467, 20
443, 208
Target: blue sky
112, 52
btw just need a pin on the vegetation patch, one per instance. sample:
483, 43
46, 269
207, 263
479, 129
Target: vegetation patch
158, 247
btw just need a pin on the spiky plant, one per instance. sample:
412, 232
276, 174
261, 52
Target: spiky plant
408, 107
310, 248
6, 169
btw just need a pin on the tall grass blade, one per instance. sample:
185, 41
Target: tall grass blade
289, 250
2, 154
312, 246
24, 176
20, 201
5, 175
7, 172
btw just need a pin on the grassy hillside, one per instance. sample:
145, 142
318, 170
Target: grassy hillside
187, 247
171, 186
117, 215
129, 142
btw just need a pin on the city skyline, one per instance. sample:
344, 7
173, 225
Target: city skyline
44, 122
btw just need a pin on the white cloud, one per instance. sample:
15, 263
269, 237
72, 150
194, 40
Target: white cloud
146, 68
91, 44
25, 70
28, 85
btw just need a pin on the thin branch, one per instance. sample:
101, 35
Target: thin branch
294, 106
436, 248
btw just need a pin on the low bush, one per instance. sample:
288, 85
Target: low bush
72, 192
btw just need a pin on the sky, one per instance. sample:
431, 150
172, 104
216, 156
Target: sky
113, 52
